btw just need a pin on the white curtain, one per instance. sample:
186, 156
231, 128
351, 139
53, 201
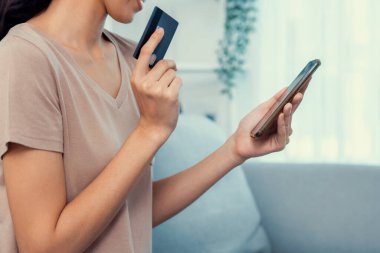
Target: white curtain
339, 119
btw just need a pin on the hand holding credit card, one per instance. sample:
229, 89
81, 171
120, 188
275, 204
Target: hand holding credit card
154, 81
158, 19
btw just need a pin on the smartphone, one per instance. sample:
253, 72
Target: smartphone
268, 124
158, 18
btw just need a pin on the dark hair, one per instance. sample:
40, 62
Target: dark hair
13, 12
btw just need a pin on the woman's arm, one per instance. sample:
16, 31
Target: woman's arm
173, 194
35, 183
35, 180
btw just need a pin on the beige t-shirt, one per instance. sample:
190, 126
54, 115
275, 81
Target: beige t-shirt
47, 102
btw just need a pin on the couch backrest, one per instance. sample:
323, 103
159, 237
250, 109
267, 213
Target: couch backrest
317, 208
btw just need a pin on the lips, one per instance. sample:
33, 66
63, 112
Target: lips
140, 4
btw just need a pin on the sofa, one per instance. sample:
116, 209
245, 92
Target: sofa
268, 207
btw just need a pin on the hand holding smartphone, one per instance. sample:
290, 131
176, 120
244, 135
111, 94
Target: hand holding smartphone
265, 125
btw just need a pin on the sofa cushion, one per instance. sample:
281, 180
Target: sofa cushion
225, 219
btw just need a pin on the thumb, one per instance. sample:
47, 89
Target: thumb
275, 99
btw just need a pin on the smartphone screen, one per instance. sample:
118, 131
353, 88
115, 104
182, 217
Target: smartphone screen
266, 125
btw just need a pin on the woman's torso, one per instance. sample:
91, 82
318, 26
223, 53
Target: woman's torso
95, 125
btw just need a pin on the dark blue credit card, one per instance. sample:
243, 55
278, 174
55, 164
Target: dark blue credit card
158, 19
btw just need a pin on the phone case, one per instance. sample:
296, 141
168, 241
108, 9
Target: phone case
266, 125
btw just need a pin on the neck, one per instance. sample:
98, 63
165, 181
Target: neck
75, 24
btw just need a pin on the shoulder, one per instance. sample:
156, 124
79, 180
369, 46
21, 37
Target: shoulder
20, 50
24, 64
126, 46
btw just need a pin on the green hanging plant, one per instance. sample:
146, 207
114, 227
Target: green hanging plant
239, 24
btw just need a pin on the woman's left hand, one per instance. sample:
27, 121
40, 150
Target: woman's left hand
244, 146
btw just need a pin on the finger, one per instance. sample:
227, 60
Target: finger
304, 87
281, 131
266, 106
290, 129
296, 101
175, 86
288, 119
142, 64
161, 68
167, 78
279, 94
275, 99
287, 111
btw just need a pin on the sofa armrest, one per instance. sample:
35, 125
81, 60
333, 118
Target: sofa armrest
318, 207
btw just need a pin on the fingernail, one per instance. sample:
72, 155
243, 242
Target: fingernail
159, 30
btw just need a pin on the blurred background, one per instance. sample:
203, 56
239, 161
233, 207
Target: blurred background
258, 47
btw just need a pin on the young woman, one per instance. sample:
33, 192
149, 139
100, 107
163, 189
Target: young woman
81, 121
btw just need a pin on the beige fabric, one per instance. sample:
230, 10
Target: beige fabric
47, 102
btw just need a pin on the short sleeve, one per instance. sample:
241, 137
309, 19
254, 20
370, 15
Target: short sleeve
30, 112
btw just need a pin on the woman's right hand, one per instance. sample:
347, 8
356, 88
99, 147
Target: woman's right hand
156, 91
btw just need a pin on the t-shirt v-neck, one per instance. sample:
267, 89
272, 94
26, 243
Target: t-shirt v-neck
118, 100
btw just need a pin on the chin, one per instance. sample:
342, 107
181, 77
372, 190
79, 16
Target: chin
123, 15
125, 19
